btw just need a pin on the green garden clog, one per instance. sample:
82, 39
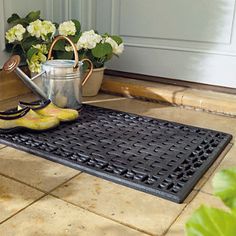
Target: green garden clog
48, 109
14, 120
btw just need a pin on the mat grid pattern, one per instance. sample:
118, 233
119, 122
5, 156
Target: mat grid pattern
155, 156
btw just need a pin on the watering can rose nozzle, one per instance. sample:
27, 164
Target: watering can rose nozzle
12, 65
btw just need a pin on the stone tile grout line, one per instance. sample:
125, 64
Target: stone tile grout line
38, 199
104, 216
49, 193
38, 189
167, 230
22, 209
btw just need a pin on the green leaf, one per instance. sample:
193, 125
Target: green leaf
77, 25
60, 46
109, 56
14, 49
75, 38
207, 221
21, 21
106, 35
31, 52
56, 24
117, 39
224, 184
29, 41
101, 50
33, 15
9, 47
64, 55
13, 18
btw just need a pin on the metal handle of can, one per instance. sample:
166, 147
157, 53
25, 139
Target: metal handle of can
60, 37
89, 73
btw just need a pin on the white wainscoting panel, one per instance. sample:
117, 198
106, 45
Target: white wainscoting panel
202, 21
84, 11
55, 10
185, 39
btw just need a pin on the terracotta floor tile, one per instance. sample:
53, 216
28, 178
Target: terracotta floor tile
51, 216
33, 170
140, 210
14, 196
178, 228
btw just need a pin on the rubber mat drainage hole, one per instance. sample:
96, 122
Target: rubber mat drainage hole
171, 163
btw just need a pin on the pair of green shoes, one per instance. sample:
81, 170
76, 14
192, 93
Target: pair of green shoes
38, 116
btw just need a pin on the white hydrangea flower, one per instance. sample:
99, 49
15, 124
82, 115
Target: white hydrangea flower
42, 48
116, 49
36, 61
67, 28
41, 29
88, 40
34, 28
119, 50
15, 33
69, 48
47, 28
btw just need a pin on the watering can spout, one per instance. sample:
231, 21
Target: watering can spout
61, 80
12, 65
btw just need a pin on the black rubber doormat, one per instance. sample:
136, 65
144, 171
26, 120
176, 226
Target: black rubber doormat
155, 156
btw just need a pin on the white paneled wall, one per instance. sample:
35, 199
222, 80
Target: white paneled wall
185, 39
56, 10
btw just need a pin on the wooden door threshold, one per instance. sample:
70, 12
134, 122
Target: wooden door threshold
181, 83
212, 101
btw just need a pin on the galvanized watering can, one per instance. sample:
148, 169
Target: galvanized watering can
60, 81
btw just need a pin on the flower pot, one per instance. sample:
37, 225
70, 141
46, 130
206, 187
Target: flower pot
93, 84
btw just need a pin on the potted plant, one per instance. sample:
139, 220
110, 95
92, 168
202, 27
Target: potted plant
31, 37
99, 49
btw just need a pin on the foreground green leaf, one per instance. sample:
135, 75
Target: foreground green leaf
207, 221
224, 184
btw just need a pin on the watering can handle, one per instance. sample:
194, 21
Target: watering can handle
90, 71
71, 43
